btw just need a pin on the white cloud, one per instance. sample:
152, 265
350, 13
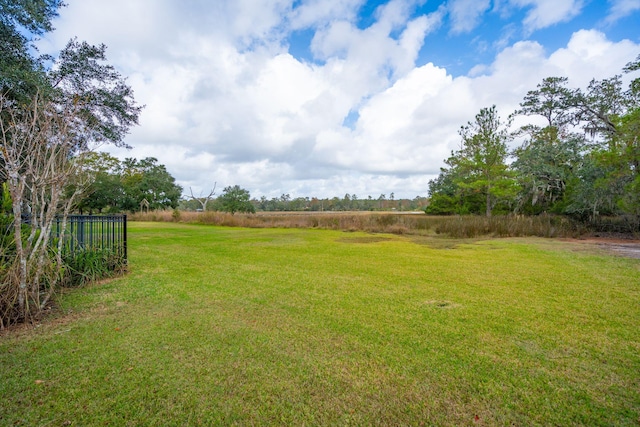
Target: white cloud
465, 14
589, 54
622, 8
412, 125
222, 108
368, 59
545, 13
417, 29
318, 13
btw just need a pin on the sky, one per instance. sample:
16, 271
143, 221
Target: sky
320, 98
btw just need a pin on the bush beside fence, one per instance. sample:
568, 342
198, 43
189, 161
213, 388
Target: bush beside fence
81, 248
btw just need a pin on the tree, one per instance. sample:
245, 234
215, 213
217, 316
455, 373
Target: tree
147, 180
480, 164
622, 157
551, 100
592, 192
204, 200
235, 199
443, 192
597, 108
550, 156
545, 164
633, 93
298, 204
622, 152
21, 74
105, 102
37, 145
610, 180
104, 190
49, 120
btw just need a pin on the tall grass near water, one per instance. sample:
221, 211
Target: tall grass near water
509, 226
467, 226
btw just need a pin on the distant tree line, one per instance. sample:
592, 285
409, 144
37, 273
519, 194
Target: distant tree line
350, 202
578, 156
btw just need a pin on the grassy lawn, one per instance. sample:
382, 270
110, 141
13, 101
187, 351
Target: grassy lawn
313, 327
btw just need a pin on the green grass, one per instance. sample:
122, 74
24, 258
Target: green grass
224, 326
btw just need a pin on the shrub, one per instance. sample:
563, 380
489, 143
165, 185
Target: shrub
88, 265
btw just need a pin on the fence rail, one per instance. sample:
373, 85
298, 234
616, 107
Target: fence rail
93, 232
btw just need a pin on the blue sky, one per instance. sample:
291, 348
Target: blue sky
327, 97
496, 25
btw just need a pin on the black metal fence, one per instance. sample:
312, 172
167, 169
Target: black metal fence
93, 232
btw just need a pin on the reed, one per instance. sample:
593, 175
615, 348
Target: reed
385, 222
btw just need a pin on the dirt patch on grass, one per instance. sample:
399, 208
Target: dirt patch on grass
441, 242
622, 247
627, 250
54, 316
364, 239
442, 304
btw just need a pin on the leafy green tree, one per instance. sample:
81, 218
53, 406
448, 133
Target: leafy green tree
551, 100
478, 175
598, 107
591, 192
21, 74
235, 199
551, 155
612, 117
147, 180
104, 188
298, 204
623, 151
443, 193
106, 105
633, 94
103, 102
80, 81
622, 156
545, 164
483, 158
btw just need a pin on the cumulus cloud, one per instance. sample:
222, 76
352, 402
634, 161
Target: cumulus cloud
412, 125
622, 8
466, 14
318, 13
545, 13
227, 102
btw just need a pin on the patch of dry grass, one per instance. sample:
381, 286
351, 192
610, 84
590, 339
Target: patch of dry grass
468, 226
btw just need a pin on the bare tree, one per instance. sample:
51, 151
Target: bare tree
40, 155
204, 200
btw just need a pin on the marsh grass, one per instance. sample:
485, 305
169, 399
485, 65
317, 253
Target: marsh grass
467, 226
236, 326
